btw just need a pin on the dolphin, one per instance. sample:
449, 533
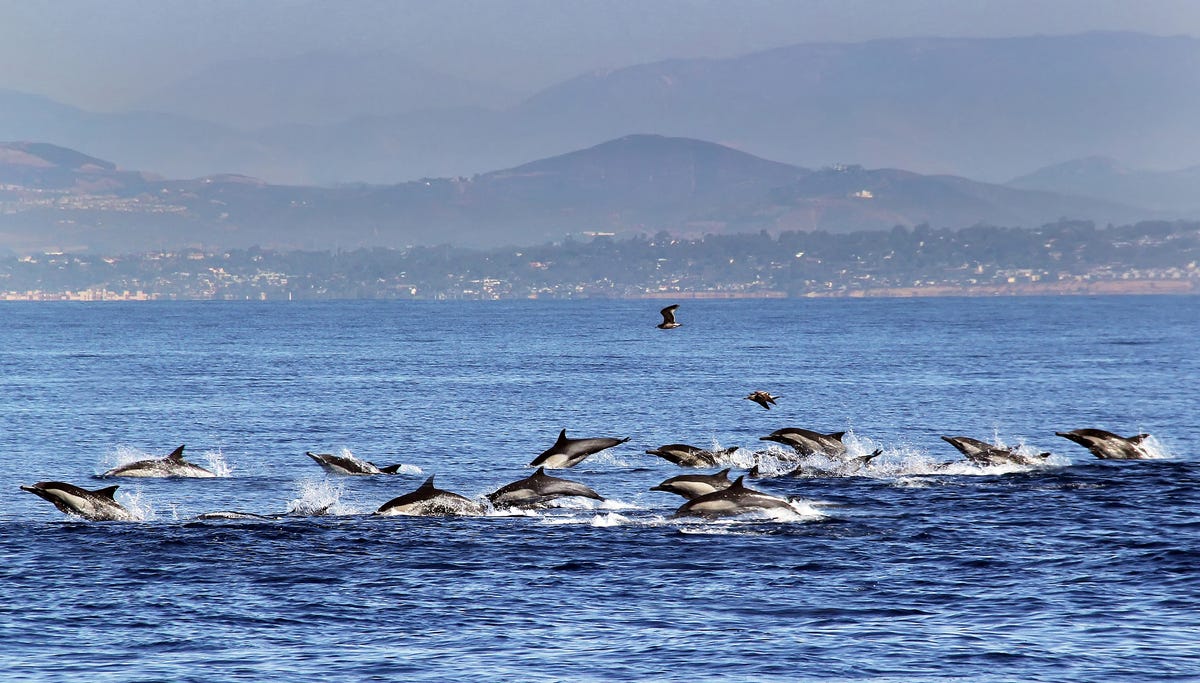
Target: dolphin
539, 488
807, 442
694, 485
1109, 446
570, 452
429, 501
236, 514
690, 456
171, 466
348, 464
668, 315
732, 500
97, 506
985, 454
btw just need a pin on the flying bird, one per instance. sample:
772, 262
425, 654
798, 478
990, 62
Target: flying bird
668, 315
763, 398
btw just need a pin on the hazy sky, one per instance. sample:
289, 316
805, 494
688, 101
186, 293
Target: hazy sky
104, 53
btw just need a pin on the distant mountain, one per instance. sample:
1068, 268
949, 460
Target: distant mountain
974, 107
171, 145
981, 108
316, 88
1173, 191
56, 198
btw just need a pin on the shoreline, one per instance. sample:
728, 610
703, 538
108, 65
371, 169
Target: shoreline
1187, 287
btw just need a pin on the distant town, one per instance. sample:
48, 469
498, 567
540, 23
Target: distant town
1068, 257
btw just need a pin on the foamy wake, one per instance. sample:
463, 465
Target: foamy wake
893, 463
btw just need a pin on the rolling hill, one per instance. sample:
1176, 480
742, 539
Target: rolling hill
57, 198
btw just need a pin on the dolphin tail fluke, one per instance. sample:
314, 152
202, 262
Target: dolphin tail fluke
392, 469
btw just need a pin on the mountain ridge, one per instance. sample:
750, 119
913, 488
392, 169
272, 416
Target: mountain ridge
988, 108
633, 184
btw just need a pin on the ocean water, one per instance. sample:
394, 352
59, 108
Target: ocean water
918, 568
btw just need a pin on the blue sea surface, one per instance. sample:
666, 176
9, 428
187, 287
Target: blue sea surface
921, 567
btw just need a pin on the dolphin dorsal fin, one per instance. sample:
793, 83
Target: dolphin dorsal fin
737, 483
541, 472
562, 436
428, 483
176, 455
837, 435
107, 492
724, 474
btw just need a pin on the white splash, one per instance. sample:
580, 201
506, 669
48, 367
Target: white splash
612, 519
1154, 449
318, 497
120, 456
216, 463
140, 508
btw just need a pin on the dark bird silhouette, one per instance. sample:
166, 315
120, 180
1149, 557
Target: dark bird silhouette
668, 315
763, 398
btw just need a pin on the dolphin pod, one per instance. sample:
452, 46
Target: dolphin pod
709, 495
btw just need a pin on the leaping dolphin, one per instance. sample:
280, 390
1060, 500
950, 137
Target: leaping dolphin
539, 488
690, 456
1109, 446
570, 452
985, 454
97, 506
171, 466
350, 465
695, 485
808, 442
429, 501
732, 500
